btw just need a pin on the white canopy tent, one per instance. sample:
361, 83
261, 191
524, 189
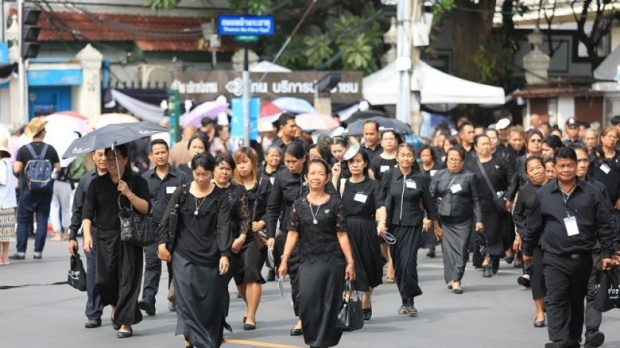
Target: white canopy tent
266, 67
436, 87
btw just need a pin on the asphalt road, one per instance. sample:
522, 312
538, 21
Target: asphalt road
492, 312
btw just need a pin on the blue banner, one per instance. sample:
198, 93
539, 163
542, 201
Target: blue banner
71, 77
237, 126
4, 53
245, 25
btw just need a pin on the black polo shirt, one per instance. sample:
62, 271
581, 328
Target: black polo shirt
160, 190
545, 224
78, 202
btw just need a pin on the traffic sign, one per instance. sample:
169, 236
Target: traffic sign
245, 25
246, 38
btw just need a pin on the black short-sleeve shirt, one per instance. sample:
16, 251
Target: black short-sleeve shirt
24, 155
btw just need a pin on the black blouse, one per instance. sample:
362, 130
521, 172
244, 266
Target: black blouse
201, 239
102, 199
497, 172
380, 165
456, 195
362, 199
257, 197
239, 212
523, 205
318, 240
404, 197
607, 171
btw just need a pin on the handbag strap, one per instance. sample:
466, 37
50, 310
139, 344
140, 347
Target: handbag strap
260, 181
449, 185
485, 176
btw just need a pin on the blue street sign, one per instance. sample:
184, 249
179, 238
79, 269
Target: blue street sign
4, 53
245, 25
237, 126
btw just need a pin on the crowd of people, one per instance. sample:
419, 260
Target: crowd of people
546, 200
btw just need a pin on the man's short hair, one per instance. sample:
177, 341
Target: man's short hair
284, 118
464, 124
372, 122
615, 120
564, 152
207, 121
159, 142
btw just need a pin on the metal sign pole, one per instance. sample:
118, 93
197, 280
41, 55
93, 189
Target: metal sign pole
246, 90
21, 67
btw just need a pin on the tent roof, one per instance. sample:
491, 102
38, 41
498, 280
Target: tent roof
436, 87
265, 66
608, 69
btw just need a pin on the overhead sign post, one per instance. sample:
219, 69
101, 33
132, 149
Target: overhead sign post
246, 29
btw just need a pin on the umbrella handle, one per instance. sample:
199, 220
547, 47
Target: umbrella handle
118, 170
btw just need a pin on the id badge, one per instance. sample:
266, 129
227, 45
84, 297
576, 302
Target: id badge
410, 184
360, 197
571, 226
456, 188
433, 172
605, 168
384, 169
170, 189
272, 180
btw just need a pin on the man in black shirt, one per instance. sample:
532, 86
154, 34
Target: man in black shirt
568, 218
29, 202
286, 133
94, 306
372, 139
466, 134
163, 181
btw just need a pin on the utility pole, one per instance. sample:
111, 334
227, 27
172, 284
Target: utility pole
414, 111
246, 90
403, 60
21, 67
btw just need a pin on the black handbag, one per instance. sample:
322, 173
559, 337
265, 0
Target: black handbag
498, 197
608, 293
77, 275
136, 228
480, 250
350, 317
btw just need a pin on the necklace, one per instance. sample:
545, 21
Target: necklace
314, 215
198, 205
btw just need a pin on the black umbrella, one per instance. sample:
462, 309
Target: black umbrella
112, 135
362, 115
356, 128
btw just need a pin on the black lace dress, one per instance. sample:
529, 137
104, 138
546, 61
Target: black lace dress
321, 269
361, 201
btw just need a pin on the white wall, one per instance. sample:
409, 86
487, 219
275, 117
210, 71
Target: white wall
566, 110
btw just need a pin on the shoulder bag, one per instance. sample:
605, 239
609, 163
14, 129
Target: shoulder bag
498, 197
350, 317
136, 228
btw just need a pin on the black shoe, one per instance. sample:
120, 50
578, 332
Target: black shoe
248, 327
271, 276
525, 282
93, 323
412, 311
431, 253
124, 334
550, 345
367, 313
17, 256
172, 306
486, 272
227, 326
37, 256
494, 265
509, 259
595, 340
540, 323
115, 324
147, 307
296, 332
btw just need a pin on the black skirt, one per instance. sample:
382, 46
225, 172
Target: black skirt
405, 259
249, 263
366, 250
200, 309
494, 232
320, 292
119, 275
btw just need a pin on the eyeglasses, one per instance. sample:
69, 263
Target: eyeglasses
536, 140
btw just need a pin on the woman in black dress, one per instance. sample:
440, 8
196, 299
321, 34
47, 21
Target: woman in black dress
119, 264
407, 192
429, 165
605, 166
248, 278
495, 221
201, 248
318, 222
196, 145
365, 213
273, 163
533, 276
239, 217
455, 190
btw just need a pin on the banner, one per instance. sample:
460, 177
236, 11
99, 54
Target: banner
208, 85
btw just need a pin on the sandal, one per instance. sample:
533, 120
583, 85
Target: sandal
389, 280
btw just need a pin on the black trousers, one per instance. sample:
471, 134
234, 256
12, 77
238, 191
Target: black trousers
94, 306
593, 317
567, 284
152, 273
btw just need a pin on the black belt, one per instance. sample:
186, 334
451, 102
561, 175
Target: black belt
577, 256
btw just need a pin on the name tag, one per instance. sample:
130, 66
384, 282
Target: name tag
456, 188
272, 179
605, 168
170, 189
571, 226
410, 184
360, 197
433, 172
384, 168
